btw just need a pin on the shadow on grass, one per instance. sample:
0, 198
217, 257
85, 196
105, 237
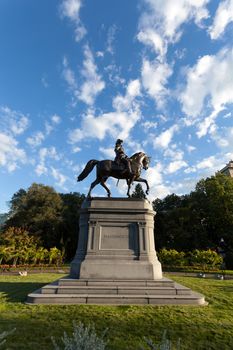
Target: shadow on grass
16, 292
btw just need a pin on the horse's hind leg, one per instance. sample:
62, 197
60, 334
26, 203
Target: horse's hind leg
102, 182
96, 182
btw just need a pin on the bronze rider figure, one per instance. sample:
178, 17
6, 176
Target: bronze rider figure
121, 157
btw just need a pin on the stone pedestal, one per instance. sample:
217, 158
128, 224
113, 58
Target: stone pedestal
116, 262
116, 241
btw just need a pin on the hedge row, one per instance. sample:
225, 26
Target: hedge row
202, 259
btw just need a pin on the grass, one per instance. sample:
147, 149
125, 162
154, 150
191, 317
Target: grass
200, 328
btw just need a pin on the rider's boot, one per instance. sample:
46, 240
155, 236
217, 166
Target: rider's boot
129, 169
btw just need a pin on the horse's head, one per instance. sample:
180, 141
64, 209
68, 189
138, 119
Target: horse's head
141, 159
145, 162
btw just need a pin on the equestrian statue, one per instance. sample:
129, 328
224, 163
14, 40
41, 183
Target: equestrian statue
123, 167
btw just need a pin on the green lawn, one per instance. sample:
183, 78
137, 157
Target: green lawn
200, 328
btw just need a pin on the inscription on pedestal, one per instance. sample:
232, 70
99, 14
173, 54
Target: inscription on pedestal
117, 238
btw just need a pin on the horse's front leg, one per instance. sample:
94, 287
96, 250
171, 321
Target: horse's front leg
145, 182
129, 183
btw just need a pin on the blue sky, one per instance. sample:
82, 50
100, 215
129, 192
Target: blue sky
75, 75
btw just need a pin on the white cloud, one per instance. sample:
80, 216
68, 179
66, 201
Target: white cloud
20, 126
223, 138
209, 165
121, 103
160, 25
10, 153
99, 54
190, 148
13, 122
56, 119
208, 124
51, 124
71, 10
44, 81
162, 20
41, 169
59, 177
48, 152
107, 152
117, 123
164, 139
93, 84
76, 149
110, 39
151, 38
223, 16
209, 88
176, 165
174, 153
69, 75
156, 183
114, 74
149, 125
44, 154
154, 79
154, 175
211, 162
36, 139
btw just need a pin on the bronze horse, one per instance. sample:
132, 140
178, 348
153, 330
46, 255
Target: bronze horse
107, 168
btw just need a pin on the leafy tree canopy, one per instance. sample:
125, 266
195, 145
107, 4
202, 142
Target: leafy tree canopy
198, 220
53, 217
39, 210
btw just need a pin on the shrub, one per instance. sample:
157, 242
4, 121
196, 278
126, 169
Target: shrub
172, 257
205, 259
18, 247
201, 259
55, 256
83, 338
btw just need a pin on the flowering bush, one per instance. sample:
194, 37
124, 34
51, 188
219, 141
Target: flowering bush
204, 259
172, 257
18, 247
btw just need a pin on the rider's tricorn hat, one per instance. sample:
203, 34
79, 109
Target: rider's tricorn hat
119, 141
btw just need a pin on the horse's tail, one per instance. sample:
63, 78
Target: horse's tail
88, 168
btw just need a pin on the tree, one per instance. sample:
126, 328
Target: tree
178, 224
39, 211
3, 218
214, 200
138, 192
198, 220
46, 214
71, 204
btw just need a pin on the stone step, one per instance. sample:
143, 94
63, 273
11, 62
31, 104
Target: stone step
164, 282
125, 299
114, 290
